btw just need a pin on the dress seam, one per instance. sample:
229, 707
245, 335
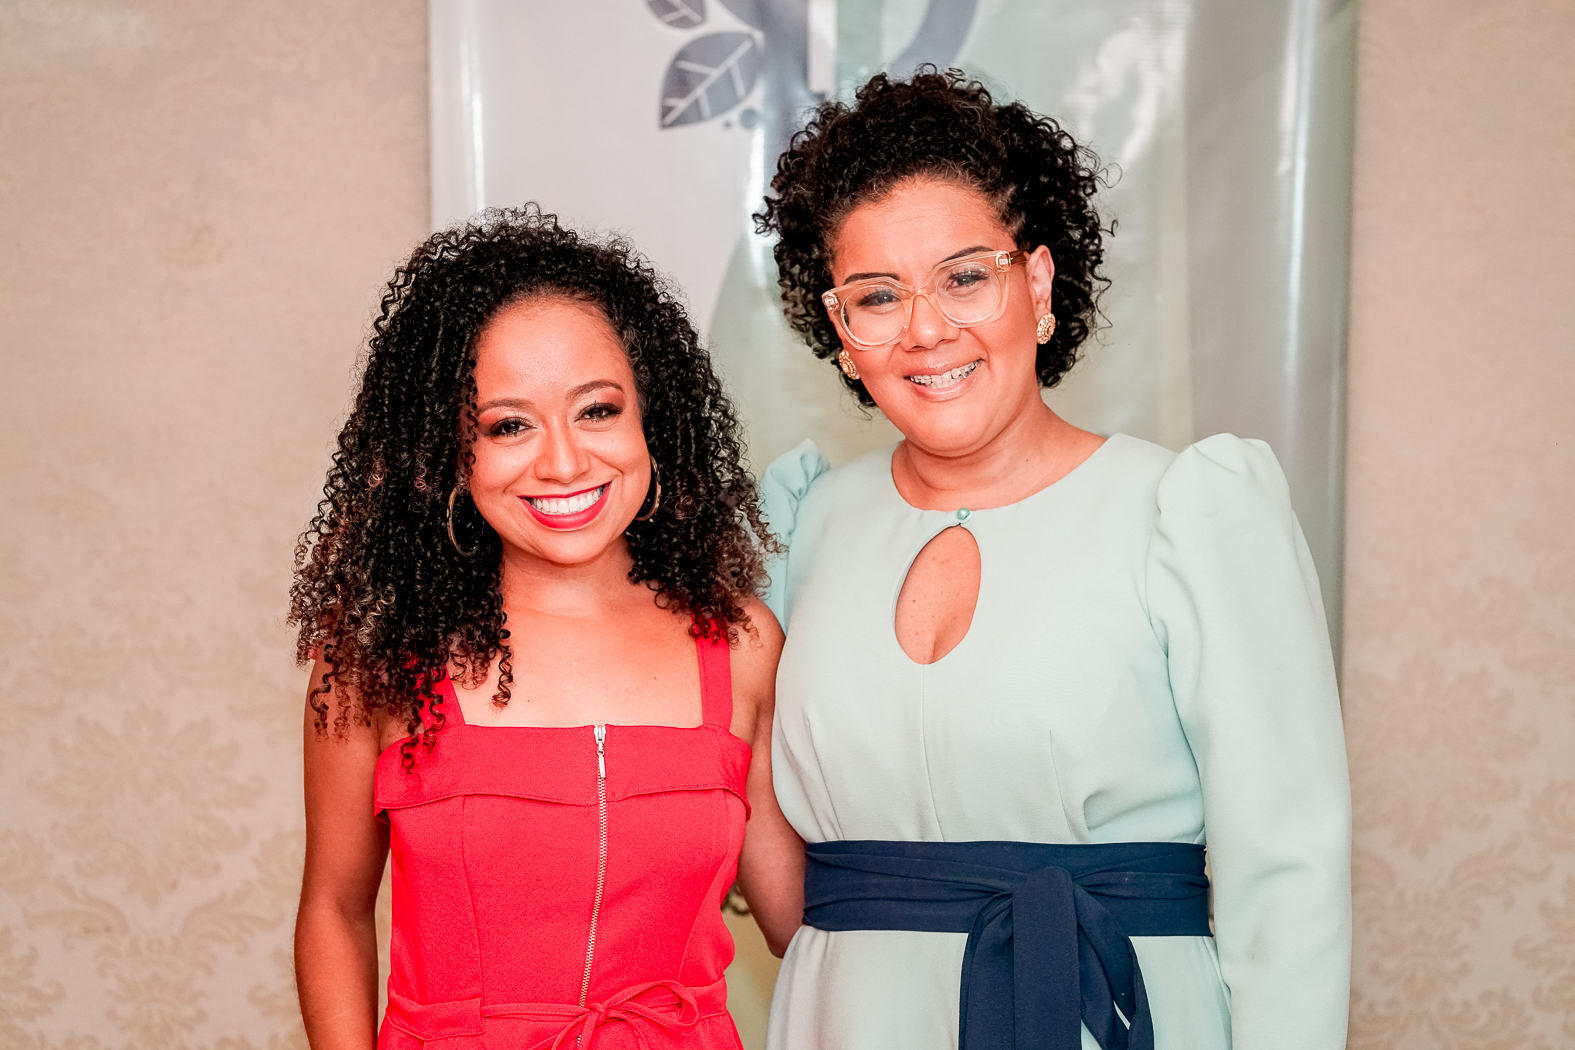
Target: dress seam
924, 737
470, 893
1148, 571
831, 804
719, 841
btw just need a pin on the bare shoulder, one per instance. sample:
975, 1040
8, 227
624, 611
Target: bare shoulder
335, 715
760, 640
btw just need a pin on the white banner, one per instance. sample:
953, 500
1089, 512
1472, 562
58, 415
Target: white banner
1226, 124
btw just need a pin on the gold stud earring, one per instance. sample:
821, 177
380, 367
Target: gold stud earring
1046, 328
847, 364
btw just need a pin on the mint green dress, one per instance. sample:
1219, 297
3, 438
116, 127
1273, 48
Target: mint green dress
1148, 661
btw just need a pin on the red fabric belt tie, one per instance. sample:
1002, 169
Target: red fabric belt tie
665, 1003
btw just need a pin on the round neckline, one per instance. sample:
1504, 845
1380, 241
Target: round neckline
956, 513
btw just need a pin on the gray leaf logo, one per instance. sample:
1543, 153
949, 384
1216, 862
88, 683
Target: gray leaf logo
708, 77
680, 14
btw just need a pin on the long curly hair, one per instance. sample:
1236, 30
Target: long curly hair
938, 125
382, 592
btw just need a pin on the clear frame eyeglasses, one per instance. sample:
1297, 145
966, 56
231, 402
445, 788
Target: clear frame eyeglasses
968, 291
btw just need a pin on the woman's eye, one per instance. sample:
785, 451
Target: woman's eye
508, 427
967, 278
601, 411
875, 298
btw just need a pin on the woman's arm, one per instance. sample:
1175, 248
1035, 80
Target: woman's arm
346, 846
771, 868
1235, 601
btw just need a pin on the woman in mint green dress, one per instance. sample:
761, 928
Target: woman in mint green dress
1030, 672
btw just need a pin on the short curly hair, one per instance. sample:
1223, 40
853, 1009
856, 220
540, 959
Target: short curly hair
381, 591
938, 125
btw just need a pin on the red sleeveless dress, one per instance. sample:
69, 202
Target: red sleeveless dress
563, 887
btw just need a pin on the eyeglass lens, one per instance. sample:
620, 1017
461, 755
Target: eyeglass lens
967, 292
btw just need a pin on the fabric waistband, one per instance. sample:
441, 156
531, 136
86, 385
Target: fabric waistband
665, 1004
1049, 926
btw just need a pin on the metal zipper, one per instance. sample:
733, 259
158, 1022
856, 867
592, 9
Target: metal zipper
601, 854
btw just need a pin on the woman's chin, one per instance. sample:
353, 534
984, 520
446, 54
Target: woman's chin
565, 548
947, 437
945, 423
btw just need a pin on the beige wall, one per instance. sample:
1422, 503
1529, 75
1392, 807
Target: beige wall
198, 202
1460, 555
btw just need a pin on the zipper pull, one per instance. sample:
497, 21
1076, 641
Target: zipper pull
601, 752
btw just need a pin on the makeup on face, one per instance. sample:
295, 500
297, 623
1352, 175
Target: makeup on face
569, 511
905, 264
560, 465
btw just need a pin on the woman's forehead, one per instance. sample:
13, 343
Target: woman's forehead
547, 342
918, 224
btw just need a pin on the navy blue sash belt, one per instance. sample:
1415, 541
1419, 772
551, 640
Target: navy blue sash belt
1048, 926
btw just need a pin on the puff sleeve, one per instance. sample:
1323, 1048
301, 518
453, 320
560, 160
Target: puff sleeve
1233, 597
782, 489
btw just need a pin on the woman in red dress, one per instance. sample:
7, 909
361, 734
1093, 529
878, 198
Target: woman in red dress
543, 681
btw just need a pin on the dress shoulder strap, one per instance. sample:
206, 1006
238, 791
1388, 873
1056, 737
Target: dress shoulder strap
716, 681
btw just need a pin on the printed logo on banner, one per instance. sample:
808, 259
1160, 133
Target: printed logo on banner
677, 13
713, 73
708, 77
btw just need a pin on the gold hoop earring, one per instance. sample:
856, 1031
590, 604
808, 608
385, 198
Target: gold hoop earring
1046, 328
453, 492
847, 364
656, 501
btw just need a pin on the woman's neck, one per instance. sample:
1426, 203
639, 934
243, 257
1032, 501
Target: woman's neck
588, 590
1035, 450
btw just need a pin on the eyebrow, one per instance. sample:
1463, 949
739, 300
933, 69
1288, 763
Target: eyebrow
954, 255
579, 391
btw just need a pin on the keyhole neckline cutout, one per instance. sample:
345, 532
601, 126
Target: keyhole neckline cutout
939, 595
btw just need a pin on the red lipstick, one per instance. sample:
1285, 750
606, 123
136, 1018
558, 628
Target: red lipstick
573, 520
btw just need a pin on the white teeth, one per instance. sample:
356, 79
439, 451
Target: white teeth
566, 504
946, 379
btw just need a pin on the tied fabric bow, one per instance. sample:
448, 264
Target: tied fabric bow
678, 1008
1045, 954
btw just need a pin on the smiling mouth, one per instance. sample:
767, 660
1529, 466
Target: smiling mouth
945, 380
562, 506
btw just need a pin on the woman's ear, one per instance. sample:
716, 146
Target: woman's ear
1041, 275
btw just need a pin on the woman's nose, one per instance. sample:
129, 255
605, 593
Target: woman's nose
927, 326
559, 456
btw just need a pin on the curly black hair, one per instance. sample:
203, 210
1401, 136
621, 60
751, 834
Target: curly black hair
382, 593
939, 125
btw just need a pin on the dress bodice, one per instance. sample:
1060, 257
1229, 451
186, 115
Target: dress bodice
1008, 736
548, 879
1148, 661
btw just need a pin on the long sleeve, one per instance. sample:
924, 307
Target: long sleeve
782, 488
1234, 599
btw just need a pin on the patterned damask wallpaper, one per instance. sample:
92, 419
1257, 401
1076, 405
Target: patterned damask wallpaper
200, 200
1460, 573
